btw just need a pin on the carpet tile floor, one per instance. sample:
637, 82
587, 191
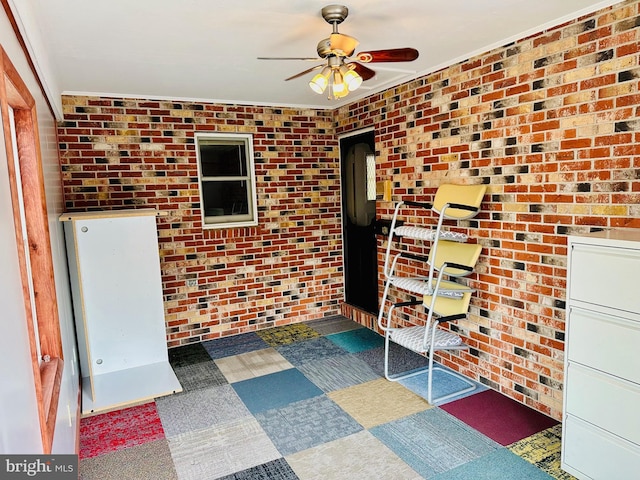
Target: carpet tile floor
309, 401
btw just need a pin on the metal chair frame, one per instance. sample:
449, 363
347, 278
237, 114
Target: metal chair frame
437, 287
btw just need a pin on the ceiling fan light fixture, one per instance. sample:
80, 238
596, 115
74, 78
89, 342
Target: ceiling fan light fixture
351, 78
320, 81
339, 89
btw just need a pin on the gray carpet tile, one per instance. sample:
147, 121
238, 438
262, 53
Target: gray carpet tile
222, 450
234, 345
338, 372
433, 442
199, 409
333, 324
150, 460
307, 351
275, 470
188, 355
306, 423
400, 359
199, 375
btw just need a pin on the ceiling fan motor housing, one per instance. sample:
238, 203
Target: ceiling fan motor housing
324, 48
335, 13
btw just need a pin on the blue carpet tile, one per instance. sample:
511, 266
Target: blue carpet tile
357, 340
433, 441
442, 384
309, 402
275, 390
307, 423
498, 465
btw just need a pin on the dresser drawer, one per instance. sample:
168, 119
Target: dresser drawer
591, 453
603, 400
604, 341
606, 276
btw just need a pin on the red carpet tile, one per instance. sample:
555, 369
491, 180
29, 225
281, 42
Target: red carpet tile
500, 418
112, 431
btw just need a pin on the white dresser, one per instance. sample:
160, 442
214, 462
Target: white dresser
601, 419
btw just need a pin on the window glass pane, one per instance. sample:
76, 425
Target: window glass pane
218, 160
225, 198
371, 176
226, 179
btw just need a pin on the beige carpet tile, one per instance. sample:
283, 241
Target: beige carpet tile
543, 450
379, 401
149, 460
252, 364
218, 451
336, 460
287, 334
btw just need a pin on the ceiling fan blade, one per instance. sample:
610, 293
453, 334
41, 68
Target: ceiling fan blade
342, 44
311, 59
365, 72
305, 72
389, 55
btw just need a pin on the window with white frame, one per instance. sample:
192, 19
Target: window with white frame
226, 179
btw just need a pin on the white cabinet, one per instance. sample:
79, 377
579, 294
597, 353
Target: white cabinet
601, 419
114, 266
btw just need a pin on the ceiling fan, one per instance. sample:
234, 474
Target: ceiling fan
338, 73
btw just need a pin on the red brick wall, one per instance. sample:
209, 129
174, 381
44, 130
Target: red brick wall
139, 153
550, 124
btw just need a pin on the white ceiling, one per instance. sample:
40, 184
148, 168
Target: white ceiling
207, 49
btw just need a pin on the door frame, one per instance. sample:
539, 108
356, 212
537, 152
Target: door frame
30, 218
